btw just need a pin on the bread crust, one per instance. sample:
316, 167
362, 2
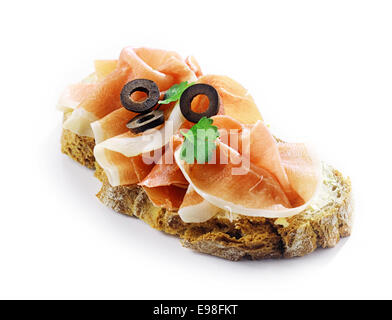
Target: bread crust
224, 236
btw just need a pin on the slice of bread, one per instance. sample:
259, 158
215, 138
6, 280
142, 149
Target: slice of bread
228, 235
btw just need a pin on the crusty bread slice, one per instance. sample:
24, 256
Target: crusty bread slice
232, 236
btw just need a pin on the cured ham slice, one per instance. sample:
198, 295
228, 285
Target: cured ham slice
216, 184
104, 99
302, 168
166, 68
74, 94
165, 184
166, 197
115, 163
237, 102
194, 65
165, 175
196, 209
141, 167
230, 131
227, 123
256, 193
121, 170
266, 155
131, 145
112, 124
279, 181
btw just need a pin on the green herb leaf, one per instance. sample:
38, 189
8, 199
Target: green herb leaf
174, 93
199, 142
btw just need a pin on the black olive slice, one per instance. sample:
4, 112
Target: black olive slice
147, 121
190, 93
144, 85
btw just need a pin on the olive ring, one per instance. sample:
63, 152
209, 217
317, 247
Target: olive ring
144, 122
190, 93
142, 85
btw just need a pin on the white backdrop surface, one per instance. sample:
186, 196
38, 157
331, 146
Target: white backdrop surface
320, 71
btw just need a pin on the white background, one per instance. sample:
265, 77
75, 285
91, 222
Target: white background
320, 71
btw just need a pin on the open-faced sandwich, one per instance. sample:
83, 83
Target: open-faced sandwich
190, 155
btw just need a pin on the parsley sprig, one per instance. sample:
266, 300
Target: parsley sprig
199, 142
174, 93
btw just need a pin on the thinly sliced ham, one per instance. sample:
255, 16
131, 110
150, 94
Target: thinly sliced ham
266, 155
217, 184
104, 99
165, 175
166, 172
196, 209
166, 68
279, 180
165, 184
230, 131
256, 193
74, 94
112, 124
302, 168
194, 65
131, 145
141, 167
122, 170
236, 100
115, 163
167, 197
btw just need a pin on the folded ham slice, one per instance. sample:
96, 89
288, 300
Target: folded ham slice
165, 184
103, 100
164, 67
131, 145
235, 99
196, 209
279, 181
74, 94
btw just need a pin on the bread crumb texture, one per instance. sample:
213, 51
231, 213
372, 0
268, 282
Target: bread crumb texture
78, 148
